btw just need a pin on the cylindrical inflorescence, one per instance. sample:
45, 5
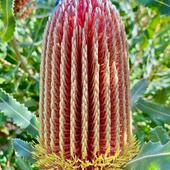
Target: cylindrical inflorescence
84, 100
22, 8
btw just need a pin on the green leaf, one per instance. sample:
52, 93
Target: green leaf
138, 91
2, 120
22, 164
162, 6
153, 156
23, 149
33, 127
159, 134
16, 111
9, 151
158, 113
8, 20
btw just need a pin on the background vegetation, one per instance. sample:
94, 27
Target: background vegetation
148, 30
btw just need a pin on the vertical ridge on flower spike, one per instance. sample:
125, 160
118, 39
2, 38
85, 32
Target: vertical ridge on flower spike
48, 73
125, 96
75, 117
78, 118
55, 83
93, 79
114, 108
125, 80
42, 80
107, 94
66, 78
114, 92
104, 78
84, 106
68, 48
73, 107
102, 71
62, 87
127, 86
119, 67
108, 104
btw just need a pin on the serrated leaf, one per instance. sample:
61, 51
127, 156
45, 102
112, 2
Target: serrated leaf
19, 114
138, 91
161, 6
23, 149
33, 127
158, 113
159, 134
153, 156
8, 20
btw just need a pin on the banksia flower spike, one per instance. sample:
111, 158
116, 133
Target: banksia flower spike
84, 100
23, 8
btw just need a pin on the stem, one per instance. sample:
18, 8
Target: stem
6, 63
22, 61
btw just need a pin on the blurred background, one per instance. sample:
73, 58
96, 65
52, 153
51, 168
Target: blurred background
147, 25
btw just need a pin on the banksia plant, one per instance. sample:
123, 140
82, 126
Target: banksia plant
23, 8
84, 101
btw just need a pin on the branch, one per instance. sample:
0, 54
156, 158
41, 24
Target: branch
6, 63
23, 62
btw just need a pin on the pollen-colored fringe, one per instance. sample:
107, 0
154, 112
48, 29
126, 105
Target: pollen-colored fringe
55, 161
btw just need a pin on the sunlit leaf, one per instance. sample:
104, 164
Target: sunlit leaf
16, 111
8, 20
153, 156
138, 90
156, 112
159, 134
